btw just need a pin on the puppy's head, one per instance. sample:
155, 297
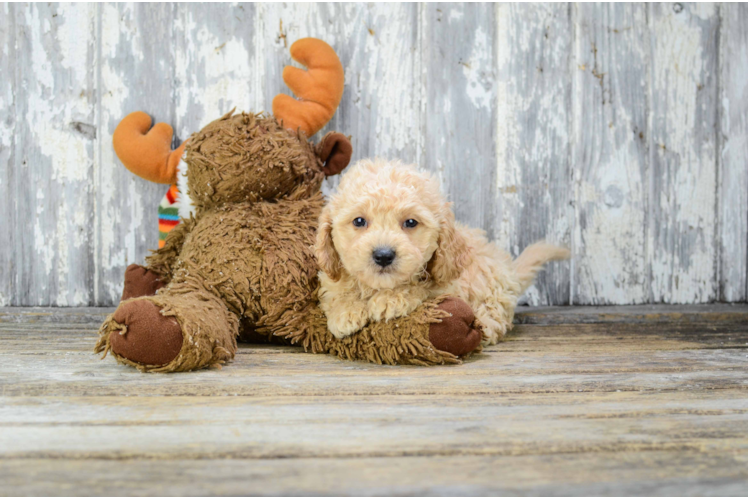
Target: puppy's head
389, 225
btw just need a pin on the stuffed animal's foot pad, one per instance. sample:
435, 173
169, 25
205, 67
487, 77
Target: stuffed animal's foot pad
148, 338
456, 334
140, 282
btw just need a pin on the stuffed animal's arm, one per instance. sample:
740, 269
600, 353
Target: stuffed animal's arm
163, 261
438, 332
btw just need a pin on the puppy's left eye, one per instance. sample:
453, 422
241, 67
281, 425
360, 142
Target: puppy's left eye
410, 223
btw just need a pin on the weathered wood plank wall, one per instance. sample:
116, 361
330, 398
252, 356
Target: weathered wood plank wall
732, 153
533, 195
7, 152
609, 152
618, 130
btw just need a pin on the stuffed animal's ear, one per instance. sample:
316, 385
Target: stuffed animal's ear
324, 249
335, 151
452, 255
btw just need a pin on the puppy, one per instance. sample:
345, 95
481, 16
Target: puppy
388, 240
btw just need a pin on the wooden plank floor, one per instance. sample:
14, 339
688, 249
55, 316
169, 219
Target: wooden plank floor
634, 400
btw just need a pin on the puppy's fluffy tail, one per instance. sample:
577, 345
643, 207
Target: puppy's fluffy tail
533, 258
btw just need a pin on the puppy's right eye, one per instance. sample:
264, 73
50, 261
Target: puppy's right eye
359, 222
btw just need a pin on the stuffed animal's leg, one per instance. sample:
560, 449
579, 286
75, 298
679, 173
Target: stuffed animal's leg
182, 328
437, 332
163, 260
140, 282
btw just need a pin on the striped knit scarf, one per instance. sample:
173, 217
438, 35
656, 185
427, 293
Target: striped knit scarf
168, 214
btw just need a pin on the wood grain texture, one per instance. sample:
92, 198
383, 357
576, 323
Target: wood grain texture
565, 407
733, 167
55, 135
459, 107
381, 103
533, 199
214, 64
683, 174
136, 54
649, 313
610, 154
257, 373
262, 428
657, 473
7, 151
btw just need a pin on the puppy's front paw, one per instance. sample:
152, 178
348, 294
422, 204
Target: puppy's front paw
387, 305
347, 323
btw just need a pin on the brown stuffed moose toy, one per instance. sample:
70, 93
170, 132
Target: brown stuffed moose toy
242, 264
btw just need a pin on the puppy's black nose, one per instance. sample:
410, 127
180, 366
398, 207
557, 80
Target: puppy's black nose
383, 256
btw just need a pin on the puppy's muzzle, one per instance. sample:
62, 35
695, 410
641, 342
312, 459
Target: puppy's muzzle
383, 257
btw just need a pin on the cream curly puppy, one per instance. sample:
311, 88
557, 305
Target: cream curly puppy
388, 240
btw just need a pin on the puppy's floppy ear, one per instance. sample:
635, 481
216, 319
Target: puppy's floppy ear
327, 257
335, 151
452, 255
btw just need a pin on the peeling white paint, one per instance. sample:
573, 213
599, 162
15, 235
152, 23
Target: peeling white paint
532, 138
733, 196
57, 152
456, 14
683, 257
51, 114
44, 251
7, 135
216, 71
478, 71
609, 156
704, 11
116, 26
390, 58
74, 48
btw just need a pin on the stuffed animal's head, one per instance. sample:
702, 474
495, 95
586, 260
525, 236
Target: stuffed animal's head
250, 157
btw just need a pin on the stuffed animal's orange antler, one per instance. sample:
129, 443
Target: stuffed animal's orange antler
145, 153
319, 88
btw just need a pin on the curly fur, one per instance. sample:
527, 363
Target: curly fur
438, 256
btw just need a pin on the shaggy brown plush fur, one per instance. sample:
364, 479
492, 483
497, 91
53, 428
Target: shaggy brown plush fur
245, 264
250, 158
